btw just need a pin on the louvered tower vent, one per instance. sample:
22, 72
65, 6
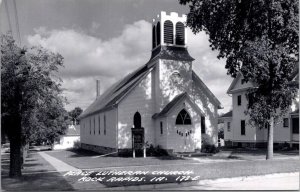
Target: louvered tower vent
169, 30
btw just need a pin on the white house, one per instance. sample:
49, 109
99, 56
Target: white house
237, 130
67, 141
165, 97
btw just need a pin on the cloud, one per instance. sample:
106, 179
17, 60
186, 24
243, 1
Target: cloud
87, 58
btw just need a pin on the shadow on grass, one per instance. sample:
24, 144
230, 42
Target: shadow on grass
36, 182
32, 164
82, 153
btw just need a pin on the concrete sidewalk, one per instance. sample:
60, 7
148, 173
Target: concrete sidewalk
59, 165
281, 181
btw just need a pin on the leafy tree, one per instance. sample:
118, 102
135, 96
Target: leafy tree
31, 104
259, 39
75, 113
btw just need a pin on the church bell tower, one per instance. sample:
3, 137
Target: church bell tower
168, 30
171, 57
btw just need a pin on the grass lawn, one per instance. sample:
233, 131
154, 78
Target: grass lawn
38, 175
83, 159
204, 167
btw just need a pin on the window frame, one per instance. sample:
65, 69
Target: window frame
243, 127
99, 122
104, 119
180, 120
285, 122
90, 126
228, 126
203, 126
168, 27
239, 100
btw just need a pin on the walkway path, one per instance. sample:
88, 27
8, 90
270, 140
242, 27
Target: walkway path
59, 165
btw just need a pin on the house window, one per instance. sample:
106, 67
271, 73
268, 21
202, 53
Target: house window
168, 32
203, 124
183, 118
285, 122
243, 128
84, 127
295, 124
250, 99
267, 125
104, 125
99, 123
228, 126
239, 100
161, 128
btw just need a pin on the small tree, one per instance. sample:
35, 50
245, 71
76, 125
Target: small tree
74, 114
259, 39
31, 104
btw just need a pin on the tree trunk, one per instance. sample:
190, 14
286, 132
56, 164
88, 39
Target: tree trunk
270, 139
15, 148
15, 158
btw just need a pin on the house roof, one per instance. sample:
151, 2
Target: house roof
73, 130
197, 79
111, 97
294, 78
228, 114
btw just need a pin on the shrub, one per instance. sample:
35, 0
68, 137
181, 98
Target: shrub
77, 145
208, 144
156, 151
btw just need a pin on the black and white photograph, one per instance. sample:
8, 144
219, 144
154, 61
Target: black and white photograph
149, 95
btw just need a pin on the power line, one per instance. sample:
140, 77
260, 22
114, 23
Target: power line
8, 17
17, 21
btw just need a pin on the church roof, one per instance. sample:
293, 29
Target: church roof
197, 79
170, 105
172, 53
176, 100
111, 97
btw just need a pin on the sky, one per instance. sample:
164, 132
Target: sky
105, 40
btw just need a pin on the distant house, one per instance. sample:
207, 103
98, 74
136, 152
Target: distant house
67, 141
164, 97
238, 132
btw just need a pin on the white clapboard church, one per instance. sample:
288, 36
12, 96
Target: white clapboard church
164, 97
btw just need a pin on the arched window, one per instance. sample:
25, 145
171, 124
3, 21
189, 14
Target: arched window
168, 32
153, 38
179, 33
158, 34
137, 120
183, 118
